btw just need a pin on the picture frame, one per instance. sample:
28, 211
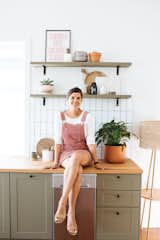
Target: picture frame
56, 43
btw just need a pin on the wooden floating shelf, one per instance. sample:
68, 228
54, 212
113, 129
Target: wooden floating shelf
85, 96
82, 64
104, 96
146, 193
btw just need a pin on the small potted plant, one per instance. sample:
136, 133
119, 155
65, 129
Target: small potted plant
47, 85
114, 136
94, 56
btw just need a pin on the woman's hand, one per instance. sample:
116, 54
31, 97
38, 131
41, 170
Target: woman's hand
54, 164
96, 162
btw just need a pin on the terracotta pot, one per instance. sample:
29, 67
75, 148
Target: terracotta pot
47, 88
114, 154
94, 56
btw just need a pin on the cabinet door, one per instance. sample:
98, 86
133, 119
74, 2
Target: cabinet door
4, 206
31, 206
118, 223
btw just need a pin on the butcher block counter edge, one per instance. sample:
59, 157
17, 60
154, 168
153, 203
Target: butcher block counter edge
22, 165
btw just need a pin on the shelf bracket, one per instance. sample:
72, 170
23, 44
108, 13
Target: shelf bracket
117, 102
117, 70
44, 69
44, 101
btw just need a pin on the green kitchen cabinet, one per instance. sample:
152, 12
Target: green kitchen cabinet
118, 207
4, 206
31, 206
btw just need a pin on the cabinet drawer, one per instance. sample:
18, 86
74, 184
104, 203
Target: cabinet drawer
119, 181
118, 223
118, 198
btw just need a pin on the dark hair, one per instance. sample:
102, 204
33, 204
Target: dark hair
74, 90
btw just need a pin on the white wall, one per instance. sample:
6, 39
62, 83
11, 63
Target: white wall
122, 30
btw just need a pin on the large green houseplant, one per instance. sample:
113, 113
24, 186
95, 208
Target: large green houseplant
114, 136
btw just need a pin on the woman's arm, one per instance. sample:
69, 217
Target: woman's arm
90, 137
57, 139
93, 151
55, 163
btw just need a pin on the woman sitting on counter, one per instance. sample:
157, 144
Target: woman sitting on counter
74, 149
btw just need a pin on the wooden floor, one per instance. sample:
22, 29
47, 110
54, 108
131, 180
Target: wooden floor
153, 234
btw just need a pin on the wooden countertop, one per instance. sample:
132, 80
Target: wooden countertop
24, 165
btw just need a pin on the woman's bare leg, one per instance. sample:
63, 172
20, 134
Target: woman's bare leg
61, 210
72, 199
79, 158
75, 191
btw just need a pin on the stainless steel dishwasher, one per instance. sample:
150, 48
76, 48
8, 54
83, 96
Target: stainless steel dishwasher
85, 208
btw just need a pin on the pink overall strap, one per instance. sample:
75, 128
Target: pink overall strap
83, 119
62, 116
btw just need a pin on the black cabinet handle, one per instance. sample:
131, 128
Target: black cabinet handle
31, 176
117, 213
118, 177
118, 196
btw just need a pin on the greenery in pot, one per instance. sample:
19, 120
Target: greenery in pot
47, 81
113, 134
47, 85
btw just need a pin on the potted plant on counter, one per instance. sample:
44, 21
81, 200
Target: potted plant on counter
47, 85
114, 136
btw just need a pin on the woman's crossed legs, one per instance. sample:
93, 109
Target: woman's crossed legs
71, 187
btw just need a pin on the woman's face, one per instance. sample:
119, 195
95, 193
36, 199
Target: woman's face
75, 100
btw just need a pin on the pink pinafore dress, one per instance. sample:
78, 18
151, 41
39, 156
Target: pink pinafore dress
73, 137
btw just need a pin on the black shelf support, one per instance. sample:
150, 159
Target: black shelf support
44, 101
117, 71
117, 102
44, 69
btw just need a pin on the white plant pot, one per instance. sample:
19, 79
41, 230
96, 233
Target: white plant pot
47, 88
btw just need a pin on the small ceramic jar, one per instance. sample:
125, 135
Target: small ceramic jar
47, 155
34, 156
68, 56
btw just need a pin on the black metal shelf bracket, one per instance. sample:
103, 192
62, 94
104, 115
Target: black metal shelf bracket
117, 71
44, 101
117, 102
44, 69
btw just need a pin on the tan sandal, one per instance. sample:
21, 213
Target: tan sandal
71, 228
60, 215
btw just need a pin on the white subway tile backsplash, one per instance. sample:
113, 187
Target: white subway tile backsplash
104, 110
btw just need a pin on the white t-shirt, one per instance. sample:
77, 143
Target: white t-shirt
89, 127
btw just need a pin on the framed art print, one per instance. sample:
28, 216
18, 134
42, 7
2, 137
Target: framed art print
56, 43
